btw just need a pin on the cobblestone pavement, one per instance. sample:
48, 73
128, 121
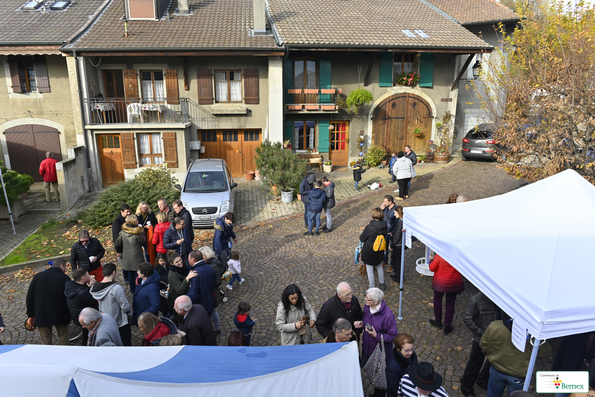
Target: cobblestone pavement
275, 254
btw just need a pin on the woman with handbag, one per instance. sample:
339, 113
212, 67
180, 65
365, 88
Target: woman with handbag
380, 331
370, 257
295, 317
396, 245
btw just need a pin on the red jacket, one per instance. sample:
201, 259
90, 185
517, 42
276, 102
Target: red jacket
47, 169
446, 278
158, 233
158, 332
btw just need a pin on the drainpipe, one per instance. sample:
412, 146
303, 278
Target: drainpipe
83, 120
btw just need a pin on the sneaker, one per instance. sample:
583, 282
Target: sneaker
242, 281
448, 329
229, 287
399, 198
407, 196
390, 269
317, 233
327, 230
323, 228
437, 324
397, 191
308, 234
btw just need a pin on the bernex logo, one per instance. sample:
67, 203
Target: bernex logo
562, 381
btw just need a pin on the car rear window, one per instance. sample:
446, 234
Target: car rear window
475, 134
205, 182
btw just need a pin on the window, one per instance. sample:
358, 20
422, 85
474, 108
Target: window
150, 149
304, 134
251, 135
110, 142
27, 74
208, 136
230, 136
228, 86
404, 63
153, 85
304, 74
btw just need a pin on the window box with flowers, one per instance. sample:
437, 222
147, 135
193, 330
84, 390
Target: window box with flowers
407, 79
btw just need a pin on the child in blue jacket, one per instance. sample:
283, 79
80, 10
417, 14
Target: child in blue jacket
243, 321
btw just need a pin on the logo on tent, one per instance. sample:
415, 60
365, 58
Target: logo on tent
562, 382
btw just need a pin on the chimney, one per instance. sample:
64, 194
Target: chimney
259, 17
183, 7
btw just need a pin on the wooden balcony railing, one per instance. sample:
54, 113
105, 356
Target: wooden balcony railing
312, 99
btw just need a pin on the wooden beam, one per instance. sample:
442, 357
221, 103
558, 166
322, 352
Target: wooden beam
463, 69
179, 53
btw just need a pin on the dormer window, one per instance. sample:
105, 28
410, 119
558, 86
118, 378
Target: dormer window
146, 9
32, 5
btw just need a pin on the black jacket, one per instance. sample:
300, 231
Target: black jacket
329, 190
396, 367
80, 258
412, 156
332, 310
142, 221
479, 313
398, 233
368, 236
317, 198
305, 187
116, 229
199, 330
389, 217
572, 350
184, 214
77, 298
46, 300
357, 172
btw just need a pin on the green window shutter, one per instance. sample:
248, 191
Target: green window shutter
288, 80
325, 78
386, 69
323, 134
288, 131
426, 70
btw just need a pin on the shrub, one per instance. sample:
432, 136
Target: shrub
375, 155
279, 167
358, 98
15, 184
149, 185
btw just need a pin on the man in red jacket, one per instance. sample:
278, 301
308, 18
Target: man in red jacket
47, 170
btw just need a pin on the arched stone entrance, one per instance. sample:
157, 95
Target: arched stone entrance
395, 120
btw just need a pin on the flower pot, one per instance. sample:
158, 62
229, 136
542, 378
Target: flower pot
312, 107
299, 197
441, 158
249, 175
328, 107
327, 168
294, 107
257, 174
310, 90
287, 197
294, 91
17, 209
327, 90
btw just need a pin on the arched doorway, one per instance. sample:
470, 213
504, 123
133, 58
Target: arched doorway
395, 120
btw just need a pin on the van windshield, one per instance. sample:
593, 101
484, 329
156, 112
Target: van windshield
205, 182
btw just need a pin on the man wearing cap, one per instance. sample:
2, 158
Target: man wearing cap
47, 170
422, 380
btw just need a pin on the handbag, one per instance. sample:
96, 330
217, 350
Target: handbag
376, 366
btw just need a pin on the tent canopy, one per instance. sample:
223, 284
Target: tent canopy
529, 250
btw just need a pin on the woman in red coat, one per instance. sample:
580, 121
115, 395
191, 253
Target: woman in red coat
447, 280
158, 233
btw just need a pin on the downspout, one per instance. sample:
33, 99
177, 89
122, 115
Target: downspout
83, 121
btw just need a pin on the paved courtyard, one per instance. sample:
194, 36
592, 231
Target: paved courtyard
274, 253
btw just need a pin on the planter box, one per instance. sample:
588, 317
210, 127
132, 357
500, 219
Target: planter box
312, 107
294, 91
310, 90
16, 207
441, 158
328, 107
294, 107
327, 168
327, 90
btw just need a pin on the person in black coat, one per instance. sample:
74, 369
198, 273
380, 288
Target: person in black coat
46, 302
305, 187
400, 361
183, 213
2, 326
118, 222
329, 190
87, 253
78, 297
342, 305
573, 350
358, 170
395, 244
199, 330
373, 259
146, 219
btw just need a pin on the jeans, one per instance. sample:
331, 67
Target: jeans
130, 276
499, 381
311, 217
393, 177
370, 270
216, 320
45, 333
329, 218
306, 212
473, 371
356, 183
235, 277
449, 312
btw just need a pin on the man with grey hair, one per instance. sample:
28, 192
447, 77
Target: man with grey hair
103, 329
342, 305
342, 332
87, 254
47, 170
199, 331
461, 198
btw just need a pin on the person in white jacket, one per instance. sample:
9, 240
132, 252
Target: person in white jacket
235, 267
112, 300
403, 169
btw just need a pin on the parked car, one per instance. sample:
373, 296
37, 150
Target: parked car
207, 191
479, 143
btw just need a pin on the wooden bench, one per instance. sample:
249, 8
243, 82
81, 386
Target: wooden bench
312, 159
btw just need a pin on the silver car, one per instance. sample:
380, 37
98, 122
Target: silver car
206, 192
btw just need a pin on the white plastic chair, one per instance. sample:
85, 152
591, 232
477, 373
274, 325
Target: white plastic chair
133, 109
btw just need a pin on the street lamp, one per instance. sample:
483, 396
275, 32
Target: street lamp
476, 69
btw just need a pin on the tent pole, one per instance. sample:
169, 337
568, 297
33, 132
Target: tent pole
401, 275
531, 364
7, 203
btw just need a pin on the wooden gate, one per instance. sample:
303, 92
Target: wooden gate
395, 120
27, 145
236, 147
110, 157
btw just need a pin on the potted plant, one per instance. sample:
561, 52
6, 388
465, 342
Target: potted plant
287, 144
16, 184
444, 138
418, 133
408, 79
327, 166
358, 98
375, 155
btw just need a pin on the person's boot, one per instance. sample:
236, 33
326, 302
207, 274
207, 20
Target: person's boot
382, 287
436, 323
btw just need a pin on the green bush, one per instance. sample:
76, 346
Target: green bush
15, 184
279, 167
358, 98
375, 155
149, 185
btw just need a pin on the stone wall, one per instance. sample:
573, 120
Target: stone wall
72, 177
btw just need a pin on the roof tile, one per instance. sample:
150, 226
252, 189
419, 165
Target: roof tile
475, 11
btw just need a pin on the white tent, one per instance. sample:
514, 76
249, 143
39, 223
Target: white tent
528, 250
310, 370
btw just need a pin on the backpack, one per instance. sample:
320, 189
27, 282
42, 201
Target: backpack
379, 243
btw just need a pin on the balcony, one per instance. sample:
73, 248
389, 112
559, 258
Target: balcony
120, 112
312, 100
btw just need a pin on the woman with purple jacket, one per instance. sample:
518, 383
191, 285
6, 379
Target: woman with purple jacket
378, 320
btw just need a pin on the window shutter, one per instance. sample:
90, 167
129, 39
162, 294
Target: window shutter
288, 131
325, 78
288, 80
128, 150
171, 86
170, 149
323, 134
131, 83
205, 86
14, 74
41, 74
251, 86
426, 70
386, 69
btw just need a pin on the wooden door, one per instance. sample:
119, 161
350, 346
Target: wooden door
27, 145
250, 141
338, 145
110, 157
419, 115
113, 82
211, 141
231, 151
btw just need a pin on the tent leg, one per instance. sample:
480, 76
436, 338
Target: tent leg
400, 317
531, 365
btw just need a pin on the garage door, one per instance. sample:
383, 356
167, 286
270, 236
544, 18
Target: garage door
236, 147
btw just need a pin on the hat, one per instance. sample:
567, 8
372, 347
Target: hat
311, 178
424, 377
